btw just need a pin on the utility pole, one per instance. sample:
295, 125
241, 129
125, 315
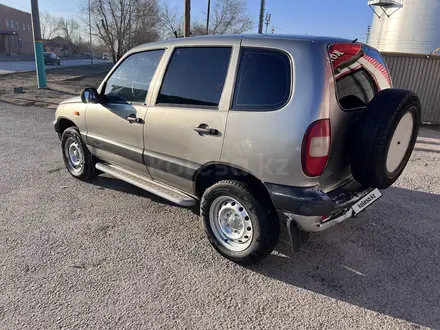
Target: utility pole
187, 20
260, 24
90, 34
207, 17
267, 20
38, 45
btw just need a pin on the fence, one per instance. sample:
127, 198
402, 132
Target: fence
421, 74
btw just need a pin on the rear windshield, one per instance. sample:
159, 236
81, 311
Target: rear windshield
360, 73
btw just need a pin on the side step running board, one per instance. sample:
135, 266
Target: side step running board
137, 180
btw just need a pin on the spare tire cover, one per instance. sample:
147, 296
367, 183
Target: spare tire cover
385, 138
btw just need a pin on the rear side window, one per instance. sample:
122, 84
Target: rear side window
360, 73
195, 77
263, 80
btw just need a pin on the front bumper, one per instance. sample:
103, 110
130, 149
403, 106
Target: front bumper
307, 206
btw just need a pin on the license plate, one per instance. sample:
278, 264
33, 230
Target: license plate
366, 201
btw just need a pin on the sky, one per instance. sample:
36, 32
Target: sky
339, 18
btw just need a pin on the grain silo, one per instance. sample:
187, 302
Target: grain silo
408, 26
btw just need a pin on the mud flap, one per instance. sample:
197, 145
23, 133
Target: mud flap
297, 237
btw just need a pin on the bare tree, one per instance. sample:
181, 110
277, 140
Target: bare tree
171, 21
122, 24
49, 26
227, 17
68, 28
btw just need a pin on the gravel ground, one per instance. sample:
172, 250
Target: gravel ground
107, 255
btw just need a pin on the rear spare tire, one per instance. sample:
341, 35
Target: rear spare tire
385, 138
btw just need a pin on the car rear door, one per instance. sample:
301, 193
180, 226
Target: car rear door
359, 73
185, 124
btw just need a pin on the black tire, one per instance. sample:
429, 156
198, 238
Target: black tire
87, 170
369, 148
265, 222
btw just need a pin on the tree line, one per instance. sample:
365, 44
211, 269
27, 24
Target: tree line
119, 25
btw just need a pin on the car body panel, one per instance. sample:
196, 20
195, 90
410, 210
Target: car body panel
73, 111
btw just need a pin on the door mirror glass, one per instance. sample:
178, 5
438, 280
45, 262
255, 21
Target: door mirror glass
89, 95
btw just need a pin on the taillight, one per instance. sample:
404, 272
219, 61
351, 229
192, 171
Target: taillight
316, 147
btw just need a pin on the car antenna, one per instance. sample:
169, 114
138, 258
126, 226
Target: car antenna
354, 40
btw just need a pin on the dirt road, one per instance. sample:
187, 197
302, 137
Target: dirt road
62, 83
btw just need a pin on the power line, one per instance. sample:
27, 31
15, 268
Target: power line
267, 20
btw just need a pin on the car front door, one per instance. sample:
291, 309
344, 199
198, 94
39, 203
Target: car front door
115, 125
185, 124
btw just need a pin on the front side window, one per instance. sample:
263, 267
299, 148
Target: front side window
131, 79
360, 73
263, 80
195, 77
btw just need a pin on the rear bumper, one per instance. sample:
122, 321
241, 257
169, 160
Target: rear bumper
307, 205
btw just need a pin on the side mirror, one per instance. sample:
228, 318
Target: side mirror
89, 95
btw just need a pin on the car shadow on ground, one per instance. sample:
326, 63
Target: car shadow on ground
107, 182
387, 260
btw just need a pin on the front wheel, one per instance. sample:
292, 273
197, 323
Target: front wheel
76, 156
238, 225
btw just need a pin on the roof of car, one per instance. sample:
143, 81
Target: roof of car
234, 37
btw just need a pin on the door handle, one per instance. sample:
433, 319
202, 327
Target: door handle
133, 119
204, 129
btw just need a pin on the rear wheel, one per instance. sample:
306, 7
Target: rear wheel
383, 144
238, 225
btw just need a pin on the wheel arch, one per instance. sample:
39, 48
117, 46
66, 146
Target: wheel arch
62, 124
213, 172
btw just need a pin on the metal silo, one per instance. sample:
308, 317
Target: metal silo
408, 26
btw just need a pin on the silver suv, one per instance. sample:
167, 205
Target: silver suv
262, 130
